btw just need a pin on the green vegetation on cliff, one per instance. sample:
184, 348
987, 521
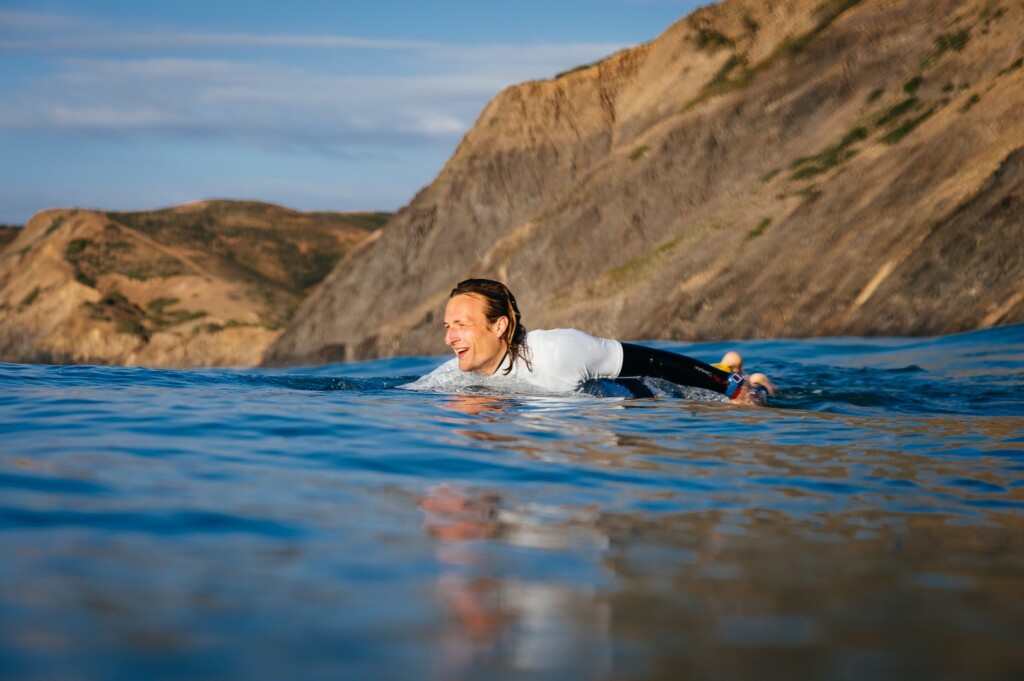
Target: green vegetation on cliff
8, 233
262, 241
152, 286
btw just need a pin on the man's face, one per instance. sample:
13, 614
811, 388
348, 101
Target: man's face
477, 344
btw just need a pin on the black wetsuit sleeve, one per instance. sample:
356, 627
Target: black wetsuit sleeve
638, 360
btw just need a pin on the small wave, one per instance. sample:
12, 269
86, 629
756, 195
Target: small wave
971, 373
165, 524
52, 485
449, 380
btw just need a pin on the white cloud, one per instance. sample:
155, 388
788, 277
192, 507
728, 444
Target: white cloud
111, 118
283, 101
123, 97
19, 21
440, 124
121, 42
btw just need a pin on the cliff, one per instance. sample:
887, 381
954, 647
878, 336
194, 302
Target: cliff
761, 169
206, 284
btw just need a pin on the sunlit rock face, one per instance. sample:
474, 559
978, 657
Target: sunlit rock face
206, 284
759, 170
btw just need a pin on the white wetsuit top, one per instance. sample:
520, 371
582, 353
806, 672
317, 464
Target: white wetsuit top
561, 360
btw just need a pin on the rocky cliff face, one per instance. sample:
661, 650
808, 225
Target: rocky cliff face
761, 169
207, 284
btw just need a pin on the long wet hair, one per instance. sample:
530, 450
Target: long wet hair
499, 302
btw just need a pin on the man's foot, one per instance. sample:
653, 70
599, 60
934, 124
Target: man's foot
734, 361
757, 387
761, 381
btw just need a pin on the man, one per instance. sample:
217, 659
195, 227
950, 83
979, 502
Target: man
483, 328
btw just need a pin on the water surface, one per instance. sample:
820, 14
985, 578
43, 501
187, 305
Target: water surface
326, 523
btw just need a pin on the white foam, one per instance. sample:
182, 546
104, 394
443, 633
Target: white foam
449, 379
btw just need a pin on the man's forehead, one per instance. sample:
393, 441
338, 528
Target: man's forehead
464, 305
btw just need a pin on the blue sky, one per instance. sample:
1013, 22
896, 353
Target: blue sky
314, 105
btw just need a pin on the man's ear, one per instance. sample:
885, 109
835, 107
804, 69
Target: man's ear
500, 326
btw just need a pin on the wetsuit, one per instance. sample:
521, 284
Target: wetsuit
561, 360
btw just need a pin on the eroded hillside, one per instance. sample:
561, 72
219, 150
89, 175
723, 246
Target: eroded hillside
206, 284
792, 168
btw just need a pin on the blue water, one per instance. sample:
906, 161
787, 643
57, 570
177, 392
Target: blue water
324, 523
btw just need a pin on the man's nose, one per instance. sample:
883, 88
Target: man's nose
449, 336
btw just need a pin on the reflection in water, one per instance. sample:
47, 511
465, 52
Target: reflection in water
761, 595
752, 593
711, 553
501, 620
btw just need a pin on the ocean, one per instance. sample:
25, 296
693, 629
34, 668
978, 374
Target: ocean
327, 523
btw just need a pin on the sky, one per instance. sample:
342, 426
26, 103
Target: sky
315, 105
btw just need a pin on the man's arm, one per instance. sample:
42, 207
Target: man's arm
639, 360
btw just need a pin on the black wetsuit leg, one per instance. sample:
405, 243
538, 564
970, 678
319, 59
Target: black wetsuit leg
638, 360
